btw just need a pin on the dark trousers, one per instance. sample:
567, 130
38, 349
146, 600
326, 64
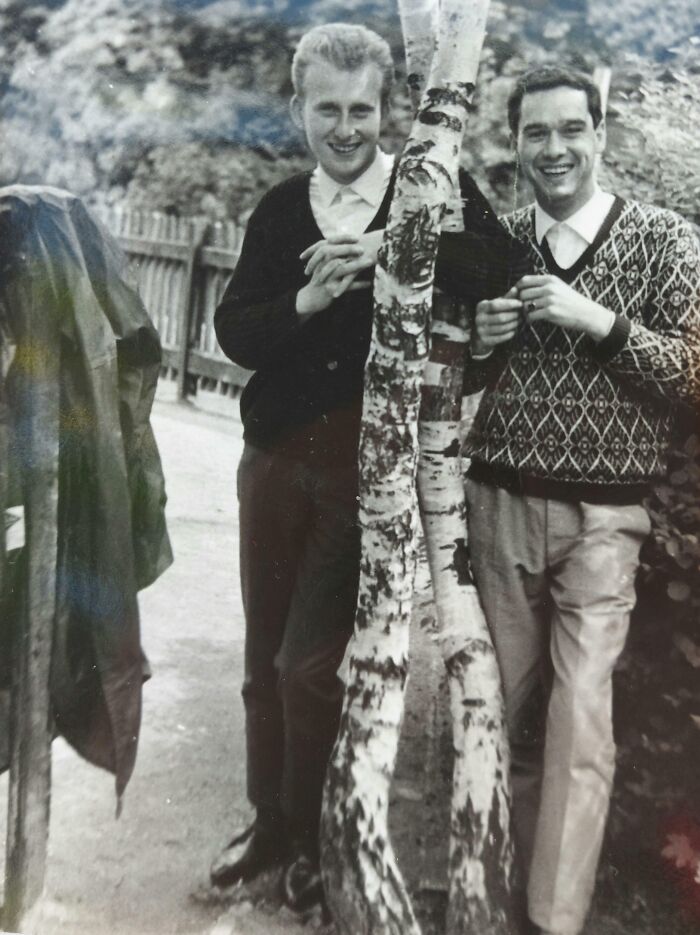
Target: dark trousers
300, 559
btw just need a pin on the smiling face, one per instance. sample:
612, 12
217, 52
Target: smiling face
557, 147
341, 114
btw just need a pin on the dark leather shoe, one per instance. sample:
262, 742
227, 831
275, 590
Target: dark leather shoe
249, 853
302, 887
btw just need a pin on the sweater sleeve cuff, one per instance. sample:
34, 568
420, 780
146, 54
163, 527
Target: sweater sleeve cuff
478, 371
614, 341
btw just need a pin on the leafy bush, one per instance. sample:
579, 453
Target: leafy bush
224, 181
671, 562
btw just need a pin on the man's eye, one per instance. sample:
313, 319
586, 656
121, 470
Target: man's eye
572, 131
535, 135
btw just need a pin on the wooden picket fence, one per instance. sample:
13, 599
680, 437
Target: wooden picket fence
182, 266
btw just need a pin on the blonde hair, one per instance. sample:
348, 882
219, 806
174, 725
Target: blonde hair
347, 47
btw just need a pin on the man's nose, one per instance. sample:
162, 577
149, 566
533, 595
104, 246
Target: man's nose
344, 127
554, 145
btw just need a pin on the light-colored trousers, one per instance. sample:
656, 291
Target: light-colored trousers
556, 581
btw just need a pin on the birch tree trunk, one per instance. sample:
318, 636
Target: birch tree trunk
481, 852
365, 889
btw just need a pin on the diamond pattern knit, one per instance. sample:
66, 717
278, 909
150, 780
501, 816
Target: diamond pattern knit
560, 407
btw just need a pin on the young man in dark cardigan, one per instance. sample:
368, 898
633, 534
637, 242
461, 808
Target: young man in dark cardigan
297, 314
582, 363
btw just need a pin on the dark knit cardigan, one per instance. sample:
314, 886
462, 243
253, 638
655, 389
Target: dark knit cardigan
306, 393
306, 390
564, 416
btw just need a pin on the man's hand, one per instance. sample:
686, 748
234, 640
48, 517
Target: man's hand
496, 322
343, 253
333, 265
548, 298
321, 290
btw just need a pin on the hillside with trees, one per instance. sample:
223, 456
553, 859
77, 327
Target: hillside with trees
112, 98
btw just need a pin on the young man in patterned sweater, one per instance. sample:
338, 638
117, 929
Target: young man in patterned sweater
582, 365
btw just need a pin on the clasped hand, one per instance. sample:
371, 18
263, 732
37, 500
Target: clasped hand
333, 265
538, 298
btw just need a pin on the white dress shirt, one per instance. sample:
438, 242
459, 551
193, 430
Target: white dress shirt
568, 239
349, 209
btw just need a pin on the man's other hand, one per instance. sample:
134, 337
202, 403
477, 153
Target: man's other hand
548, 298
496, 322
323, 287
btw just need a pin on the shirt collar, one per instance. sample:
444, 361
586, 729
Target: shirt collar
585, 222
370, 186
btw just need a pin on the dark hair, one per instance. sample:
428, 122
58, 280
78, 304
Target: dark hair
546, 78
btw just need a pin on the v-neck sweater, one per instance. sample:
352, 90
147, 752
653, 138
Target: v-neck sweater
563, 416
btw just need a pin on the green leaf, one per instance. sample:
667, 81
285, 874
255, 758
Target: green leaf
692, 446
678, 590
673, 548
665, 494
679, 478
688, 648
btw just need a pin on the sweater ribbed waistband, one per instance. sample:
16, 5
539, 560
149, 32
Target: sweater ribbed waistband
569, 491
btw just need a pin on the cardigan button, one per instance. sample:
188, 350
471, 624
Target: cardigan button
332, 365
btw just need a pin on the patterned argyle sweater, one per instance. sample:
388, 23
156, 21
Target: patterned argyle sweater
564, 413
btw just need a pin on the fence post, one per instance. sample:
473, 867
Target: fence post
31, 730
198, 231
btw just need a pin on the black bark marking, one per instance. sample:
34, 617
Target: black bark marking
421, 172
417, 148
439, 119
458, 663
442, 403
391, 333
498, 885
414, 80
461, 563
458, 95
494, 915
453, 449
413, 249
387, 669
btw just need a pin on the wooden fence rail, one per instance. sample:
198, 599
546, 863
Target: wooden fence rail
182, 266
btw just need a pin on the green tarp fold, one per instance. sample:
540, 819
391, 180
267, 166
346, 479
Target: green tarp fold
65, 299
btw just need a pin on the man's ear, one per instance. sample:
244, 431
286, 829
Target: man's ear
295, 111
385, 110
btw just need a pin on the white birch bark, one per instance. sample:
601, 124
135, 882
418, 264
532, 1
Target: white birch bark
364, 886
481, 853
